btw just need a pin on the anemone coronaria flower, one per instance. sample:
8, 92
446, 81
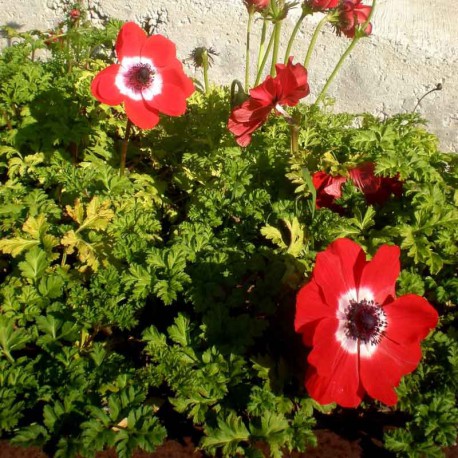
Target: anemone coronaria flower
286, 88
148, 79
363, 337
351, 14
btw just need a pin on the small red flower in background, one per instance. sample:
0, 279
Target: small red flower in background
55, 38
149, 78
259, 5
328, 189
363, 338
286, 88
321, 5
376, 190
75, 14
351, 13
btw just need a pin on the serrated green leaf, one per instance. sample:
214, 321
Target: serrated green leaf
34, 265
179, 331
11, 339
229, 435
17, 245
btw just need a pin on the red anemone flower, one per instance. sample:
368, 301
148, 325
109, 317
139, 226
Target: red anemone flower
328, 189
377, 190
321, 5
75, 14
149, 78
258, 5
352, 14
286, 88
364, 339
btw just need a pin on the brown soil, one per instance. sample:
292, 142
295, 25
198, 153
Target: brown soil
330, 445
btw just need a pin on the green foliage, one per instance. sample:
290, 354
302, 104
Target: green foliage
430, 397
130, 301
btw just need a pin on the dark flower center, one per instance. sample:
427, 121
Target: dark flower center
366, 321
140, 77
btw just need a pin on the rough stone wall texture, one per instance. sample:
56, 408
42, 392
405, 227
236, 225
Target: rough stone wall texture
413, 47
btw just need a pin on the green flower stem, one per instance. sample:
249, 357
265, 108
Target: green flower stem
264, 59
358, 35
261, 44
205, 66
247, 57
294, 128
293, 36
277, 35
314, 39
124, 148
336, 70
294, 131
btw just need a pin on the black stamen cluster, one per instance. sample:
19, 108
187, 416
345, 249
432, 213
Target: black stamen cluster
140, 77
366, 321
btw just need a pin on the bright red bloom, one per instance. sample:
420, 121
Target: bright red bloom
328, 189
377, 190
286, 88
352, 14
149, 78
75, 14
364, 339
321, 5
259, 5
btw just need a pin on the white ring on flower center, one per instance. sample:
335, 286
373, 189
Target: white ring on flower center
350, 345
122, 77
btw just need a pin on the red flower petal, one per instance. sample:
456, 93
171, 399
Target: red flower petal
292, 80
103, 86
310, 308
326, 390
364, 178
250, 111
410, 319
328, 189
380, 274
265, 93
382, 372
140, 114
326, 349
171, 101
243, 132
335, 377
130, 40
338, 269
246, 118
160, 50
175, 75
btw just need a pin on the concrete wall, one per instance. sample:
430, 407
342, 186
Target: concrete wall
413, 47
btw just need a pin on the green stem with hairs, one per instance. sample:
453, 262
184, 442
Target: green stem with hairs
261, 44
205, 66
247, 57
293, 36
277, 35
125, 142
264, 59
314, 39
336, 70
358, 35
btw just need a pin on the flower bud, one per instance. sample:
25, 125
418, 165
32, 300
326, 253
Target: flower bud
200, 54
351, 15
75, 14
257, 5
